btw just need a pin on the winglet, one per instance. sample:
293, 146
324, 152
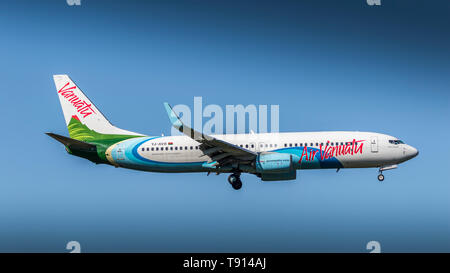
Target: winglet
174, 119
183, 128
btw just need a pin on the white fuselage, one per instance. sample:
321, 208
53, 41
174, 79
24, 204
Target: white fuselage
341, 149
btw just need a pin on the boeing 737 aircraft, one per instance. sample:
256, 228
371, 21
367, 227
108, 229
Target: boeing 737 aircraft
269, 156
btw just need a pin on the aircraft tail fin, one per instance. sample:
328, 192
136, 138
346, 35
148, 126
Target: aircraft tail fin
83, 119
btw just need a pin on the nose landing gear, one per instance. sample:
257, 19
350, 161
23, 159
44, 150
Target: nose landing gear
235, 181
385, 168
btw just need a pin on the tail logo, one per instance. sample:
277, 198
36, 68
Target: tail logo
83, 108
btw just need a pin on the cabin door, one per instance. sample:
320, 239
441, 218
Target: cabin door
374, 144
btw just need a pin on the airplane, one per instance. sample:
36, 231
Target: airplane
269, 156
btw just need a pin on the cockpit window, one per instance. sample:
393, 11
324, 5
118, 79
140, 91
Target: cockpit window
396, 141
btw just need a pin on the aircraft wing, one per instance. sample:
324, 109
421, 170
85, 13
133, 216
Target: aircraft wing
221, 152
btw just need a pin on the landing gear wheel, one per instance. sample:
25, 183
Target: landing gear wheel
237, 185
235, 181
380, 177
232, 178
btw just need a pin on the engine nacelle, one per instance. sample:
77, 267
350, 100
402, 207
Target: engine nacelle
275, 167
274, 163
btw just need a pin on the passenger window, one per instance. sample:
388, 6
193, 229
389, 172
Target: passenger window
196, 147
153, 149
185, 147
253, 146
167, 148
171, 148
157, 148
290, 144
176, 148
143, 149
285, 145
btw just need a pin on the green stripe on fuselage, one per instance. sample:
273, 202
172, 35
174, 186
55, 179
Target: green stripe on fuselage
81, 132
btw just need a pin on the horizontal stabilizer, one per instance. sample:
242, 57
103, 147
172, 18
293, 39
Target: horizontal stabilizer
73, 143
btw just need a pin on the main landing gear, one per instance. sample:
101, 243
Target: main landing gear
235, 180
380, 177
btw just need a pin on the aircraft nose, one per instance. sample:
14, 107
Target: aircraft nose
412, 152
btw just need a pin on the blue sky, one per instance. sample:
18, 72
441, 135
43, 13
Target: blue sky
329, 65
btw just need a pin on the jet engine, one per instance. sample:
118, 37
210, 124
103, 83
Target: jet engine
275, 166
